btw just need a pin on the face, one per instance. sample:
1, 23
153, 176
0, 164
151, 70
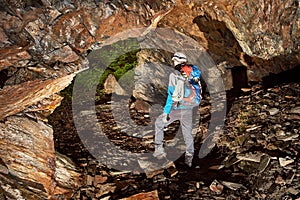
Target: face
175, 62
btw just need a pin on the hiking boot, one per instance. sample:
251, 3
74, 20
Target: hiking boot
159, 152
188, 159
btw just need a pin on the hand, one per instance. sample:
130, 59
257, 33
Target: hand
165, 118
195, 79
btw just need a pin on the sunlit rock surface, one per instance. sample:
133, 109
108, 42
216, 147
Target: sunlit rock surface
30, 169
14, 99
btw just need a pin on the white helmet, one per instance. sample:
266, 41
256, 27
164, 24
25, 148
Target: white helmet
179, 57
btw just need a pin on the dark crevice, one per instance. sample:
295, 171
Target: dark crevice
222, 44
240, 80
283, 77
239, 77
3, 77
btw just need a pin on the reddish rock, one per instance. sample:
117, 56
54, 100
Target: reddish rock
12, 55
141, 105
27, 149
16, 98
99, 180
153, 195
111, 85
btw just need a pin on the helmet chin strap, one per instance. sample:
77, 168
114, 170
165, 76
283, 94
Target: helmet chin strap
179, 66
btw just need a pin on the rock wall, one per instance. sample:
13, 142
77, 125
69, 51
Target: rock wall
30, 169
44, 43
48, 39
261, 35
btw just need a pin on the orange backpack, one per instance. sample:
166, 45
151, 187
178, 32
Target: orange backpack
189, 90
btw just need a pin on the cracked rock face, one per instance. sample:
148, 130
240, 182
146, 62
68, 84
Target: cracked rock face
44, 43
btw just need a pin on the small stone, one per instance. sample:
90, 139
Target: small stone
230, 160
293, 191
253, 128
3, 169
191, 190
105, 189
233, 186
242, 139
280, 133
287, 137
172, 171
89, 180
296, 110
153, 195
216, 167
87, 112
119, 173
216, 187
288, 97
249, 157
246, 89
152, 169
99, 180
263, 196
279, 180
294, 117
106, 198
264, 162
285, 161
111, 85
273, 111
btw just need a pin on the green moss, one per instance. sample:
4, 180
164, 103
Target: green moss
243, 122
109, 60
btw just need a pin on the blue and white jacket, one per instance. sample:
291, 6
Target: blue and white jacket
192, 90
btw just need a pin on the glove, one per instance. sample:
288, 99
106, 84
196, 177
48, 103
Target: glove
165, 118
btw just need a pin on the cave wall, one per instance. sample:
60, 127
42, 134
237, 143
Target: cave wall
261, 35
44, 43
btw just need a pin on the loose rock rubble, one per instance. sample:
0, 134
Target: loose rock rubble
256, 157
262, 139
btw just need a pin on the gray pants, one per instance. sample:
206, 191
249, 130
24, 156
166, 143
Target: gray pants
186, 122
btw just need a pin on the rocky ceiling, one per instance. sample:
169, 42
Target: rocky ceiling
44, 43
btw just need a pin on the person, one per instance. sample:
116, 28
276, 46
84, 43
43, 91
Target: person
184, 94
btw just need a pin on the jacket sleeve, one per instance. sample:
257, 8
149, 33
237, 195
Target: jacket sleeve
171, 88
